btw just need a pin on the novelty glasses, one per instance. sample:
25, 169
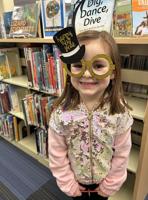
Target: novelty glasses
100, 66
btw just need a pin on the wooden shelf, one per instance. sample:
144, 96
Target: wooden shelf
138, 105
21, 81
133, 160
126, 192
17, 114
135, 94
134, 76
131, 40
27, 40
29, 143
119, 40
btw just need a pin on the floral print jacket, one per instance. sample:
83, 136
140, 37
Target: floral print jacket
90, 142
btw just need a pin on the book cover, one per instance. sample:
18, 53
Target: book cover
4, 73
5, 101
92, 15
28, 65
25, 20
14, 98
13, 62
46, 85
140, 17
47, 52
10, 62
32, 74
43, 102
37, 109
52, 12
9, 121
30, 104
123, 18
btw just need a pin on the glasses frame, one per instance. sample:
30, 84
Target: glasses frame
87, 65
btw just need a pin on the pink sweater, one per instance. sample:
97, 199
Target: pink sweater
114, 168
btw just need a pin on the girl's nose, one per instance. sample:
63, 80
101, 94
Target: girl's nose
87, 73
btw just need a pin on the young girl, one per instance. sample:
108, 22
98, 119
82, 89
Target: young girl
89, 128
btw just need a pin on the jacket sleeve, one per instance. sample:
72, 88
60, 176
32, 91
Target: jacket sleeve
59, 164
118, 171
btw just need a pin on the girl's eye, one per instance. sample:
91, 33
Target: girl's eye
98, 66
77, 65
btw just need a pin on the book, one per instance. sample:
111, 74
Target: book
16, 130
25, 20
92, 15
2, 27
68, 13
4, 73
52, 13
140, 17
10, 62
122, 25
14, 63
5, 103
6, 126
7, 21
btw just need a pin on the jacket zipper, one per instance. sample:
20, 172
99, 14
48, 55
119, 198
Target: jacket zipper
90, 142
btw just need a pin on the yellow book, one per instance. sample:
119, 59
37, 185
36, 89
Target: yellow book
16, 130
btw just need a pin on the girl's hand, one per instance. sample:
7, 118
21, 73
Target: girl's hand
82, 188
102, 194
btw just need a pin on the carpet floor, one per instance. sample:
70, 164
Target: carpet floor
24, 178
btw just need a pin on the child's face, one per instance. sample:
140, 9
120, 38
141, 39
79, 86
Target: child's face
86, 85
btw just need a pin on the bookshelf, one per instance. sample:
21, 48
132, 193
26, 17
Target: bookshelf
131, 40
138, 161
27, 40
17, 80
19, 115
120, 40
135, 186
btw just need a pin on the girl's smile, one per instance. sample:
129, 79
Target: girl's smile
88, 84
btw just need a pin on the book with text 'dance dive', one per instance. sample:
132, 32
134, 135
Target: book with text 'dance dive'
92, 15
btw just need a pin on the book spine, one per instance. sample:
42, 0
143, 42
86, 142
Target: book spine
28, 64
16, 130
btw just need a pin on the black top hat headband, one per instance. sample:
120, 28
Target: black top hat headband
67, 42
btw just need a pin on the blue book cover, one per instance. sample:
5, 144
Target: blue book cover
52, 16
7, 21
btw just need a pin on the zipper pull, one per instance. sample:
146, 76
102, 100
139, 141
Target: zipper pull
89, 115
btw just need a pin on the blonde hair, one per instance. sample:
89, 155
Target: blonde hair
70, 97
